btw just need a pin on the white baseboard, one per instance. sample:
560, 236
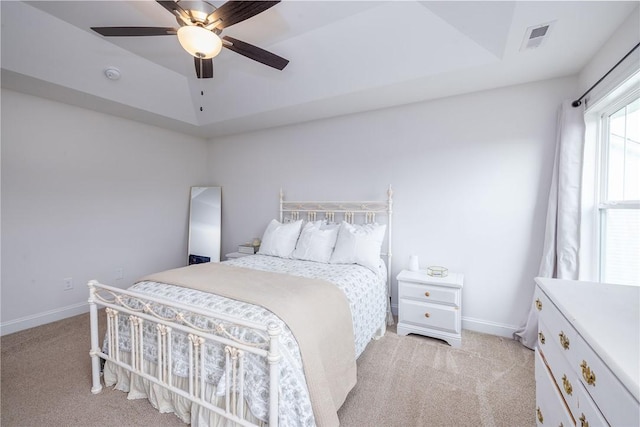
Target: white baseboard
479, 325
488, 327
34, 320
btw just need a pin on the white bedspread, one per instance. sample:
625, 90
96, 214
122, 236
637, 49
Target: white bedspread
365, 291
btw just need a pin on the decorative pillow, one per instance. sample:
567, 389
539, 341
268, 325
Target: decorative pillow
359, 244
316, 242
280, 239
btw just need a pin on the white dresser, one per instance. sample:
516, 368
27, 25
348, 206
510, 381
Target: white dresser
430, 306
588, 356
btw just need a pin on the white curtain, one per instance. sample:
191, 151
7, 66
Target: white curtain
562, 233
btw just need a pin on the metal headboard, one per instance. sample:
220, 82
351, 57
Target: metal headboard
349, 211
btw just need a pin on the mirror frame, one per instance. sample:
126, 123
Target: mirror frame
205, 218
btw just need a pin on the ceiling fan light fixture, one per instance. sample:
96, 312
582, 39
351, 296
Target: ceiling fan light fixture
199, 41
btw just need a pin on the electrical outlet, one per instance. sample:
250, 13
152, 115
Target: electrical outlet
119, 273
68, 283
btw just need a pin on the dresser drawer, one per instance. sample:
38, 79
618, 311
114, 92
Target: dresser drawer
429, 293
618, 406
560, 330
588, 413
550, 407
433, 316
565, 376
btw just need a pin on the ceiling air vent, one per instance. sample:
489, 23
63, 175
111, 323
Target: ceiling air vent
535, 36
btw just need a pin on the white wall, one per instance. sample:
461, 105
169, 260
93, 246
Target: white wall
470, 174
83, 194
618, 45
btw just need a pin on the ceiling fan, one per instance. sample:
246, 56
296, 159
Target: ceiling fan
199, 32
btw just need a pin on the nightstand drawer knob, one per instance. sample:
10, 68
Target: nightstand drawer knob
427, 294
427, 315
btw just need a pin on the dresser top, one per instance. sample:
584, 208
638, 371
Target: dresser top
608, 318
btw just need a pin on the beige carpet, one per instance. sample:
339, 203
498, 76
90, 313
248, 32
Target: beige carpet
402, 381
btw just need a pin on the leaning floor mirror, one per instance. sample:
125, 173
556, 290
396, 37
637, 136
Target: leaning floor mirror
204, 225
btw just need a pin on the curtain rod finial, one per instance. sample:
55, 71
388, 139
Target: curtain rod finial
576, 103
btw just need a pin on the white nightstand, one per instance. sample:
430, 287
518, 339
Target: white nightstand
430, 306
234, 255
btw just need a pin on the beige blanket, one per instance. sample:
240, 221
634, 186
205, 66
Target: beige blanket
316, 311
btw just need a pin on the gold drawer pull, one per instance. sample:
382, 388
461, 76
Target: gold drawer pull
427, 294
588, 375
541, 337
427, 315
567, 385
538, 304
539, 412
583, 421
564, 340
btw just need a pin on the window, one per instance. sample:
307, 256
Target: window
619, 192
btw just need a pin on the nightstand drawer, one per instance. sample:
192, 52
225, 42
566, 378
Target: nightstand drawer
429, 293
431, 316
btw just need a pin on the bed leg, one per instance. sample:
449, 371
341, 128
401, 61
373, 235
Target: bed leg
95, 347
274, 372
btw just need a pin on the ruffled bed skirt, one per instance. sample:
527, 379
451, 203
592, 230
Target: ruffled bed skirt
166, 402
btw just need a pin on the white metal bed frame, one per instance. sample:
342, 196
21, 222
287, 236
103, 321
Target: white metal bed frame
138, 308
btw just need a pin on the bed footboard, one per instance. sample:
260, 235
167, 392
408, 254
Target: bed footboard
143, 311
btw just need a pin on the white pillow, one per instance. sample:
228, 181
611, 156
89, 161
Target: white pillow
316, 242
280, 239
359, 244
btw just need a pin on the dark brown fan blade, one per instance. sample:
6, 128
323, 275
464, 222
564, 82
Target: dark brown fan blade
233, 12
255, 53
134, 31
173, 7
204, 68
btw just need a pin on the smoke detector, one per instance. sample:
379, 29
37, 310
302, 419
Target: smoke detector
536, 35
112, 73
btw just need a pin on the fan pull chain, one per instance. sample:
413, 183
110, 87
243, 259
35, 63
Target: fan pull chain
201, 91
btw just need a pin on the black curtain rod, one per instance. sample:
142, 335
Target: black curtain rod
578, 101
